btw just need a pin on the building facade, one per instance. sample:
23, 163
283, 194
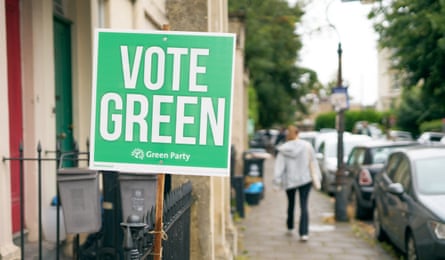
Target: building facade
389, 87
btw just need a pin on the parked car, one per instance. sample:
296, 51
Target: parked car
430, 137
325, 135
410, 198
309, 136
364, 162
264, 138
327, 157
397, 135
373, 128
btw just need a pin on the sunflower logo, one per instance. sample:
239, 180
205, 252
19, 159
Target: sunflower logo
138, 153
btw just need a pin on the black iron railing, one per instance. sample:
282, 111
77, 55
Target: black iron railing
237, 198
39, 159
139, 233
134, 239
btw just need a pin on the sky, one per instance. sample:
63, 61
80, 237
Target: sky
358, 40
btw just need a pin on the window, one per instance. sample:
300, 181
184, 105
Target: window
392, 165
330, 150
357, 156
402, 174
60, 7
430, 176
321, 148
379, 155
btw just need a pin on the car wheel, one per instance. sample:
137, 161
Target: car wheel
379, 233
411, 251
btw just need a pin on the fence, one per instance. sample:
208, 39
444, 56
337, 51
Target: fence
132, 239
138, 237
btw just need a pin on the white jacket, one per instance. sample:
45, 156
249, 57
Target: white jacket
292, 164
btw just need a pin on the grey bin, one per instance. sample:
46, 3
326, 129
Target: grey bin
138, 193
80, 198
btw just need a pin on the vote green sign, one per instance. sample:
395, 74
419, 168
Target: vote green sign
162, 102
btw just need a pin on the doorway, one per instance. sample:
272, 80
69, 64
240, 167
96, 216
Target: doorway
63, 84
12, 11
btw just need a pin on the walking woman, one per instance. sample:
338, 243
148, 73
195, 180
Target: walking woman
292, 173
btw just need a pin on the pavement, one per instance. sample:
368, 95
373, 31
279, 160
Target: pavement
262, 232
49, 251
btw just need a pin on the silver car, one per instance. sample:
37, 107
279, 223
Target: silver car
327, 157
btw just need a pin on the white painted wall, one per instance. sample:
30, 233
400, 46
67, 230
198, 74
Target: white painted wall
38, 105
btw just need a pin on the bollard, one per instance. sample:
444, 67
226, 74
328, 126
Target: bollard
238, 184
112, 215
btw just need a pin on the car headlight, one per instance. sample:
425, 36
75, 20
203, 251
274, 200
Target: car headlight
438, 229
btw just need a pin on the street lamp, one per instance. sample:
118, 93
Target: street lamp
339, 99
340, 178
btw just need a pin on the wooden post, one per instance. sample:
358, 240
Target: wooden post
159, 204
159, 222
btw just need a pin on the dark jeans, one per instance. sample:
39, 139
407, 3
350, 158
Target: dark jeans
304, 216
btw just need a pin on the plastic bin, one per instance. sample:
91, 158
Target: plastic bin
253, 198
80, 197
254, 163
138, 193
50, 227
254, 193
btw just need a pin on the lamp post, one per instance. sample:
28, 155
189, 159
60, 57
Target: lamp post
340, 178
340, 101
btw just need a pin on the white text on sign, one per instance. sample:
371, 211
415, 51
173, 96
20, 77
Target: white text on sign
114, 107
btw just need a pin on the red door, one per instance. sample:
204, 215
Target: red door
15, 102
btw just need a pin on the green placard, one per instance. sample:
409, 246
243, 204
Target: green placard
162, 102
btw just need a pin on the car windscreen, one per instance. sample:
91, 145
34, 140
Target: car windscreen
331, 148
380, 154
309, 139
430, 175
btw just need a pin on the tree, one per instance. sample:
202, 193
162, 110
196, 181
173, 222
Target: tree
411, 110
271, 53
414, 31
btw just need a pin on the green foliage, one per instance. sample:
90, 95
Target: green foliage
370, 115
431, 126
253, 103
414, 32
411, 111
325, 120
271, 50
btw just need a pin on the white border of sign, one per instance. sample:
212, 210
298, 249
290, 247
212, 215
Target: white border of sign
156, 169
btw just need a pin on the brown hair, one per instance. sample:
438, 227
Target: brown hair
292, 132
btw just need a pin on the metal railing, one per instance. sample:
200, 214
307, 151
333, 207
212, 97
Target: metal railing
59, 154
136, 234
139, 233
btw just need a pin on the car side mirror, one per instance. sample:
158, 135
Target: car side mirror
396, 189
319, 156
